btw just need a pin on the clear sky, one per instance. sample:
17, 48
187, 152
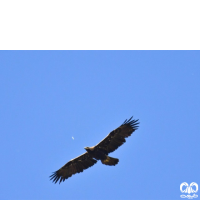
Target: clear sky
48, 97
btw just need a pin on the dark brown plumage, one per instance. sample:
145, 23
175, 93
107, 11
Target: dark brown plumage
99, 152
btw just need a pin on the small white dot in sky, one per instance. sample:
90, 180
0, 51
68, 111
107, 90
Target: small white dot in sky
73, 138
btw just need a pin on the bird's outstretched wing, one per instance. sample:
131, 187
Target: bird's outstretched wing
74, 166
117, 137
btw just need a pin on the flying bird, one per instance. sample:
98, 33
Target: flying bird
99, 152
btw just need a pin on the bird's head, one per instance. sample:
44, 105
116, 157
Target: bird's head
86, 148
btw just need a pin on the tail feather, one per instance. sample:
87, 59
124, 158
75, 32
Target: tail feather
110, 161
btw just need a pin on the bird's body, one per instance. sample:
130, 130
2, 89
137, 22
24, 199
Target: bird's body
98, 152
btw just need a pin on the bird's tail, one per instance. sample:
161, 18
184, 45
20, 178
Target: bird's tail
110, 161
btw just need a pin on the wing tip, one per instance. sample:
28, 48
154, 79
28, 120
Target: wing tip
133, 123
55, 177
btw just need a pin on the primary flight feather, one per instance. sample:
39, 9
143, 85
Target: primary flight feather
99, 152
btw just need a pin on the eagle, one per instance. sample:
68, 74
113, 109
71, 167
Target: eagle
99, 152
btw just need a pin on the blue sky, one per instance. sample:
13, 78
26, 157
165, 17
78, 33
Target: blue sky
48, 97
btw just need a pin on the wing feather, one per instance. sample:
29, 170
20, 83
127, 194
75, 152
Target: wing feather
117, 137
74, 166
